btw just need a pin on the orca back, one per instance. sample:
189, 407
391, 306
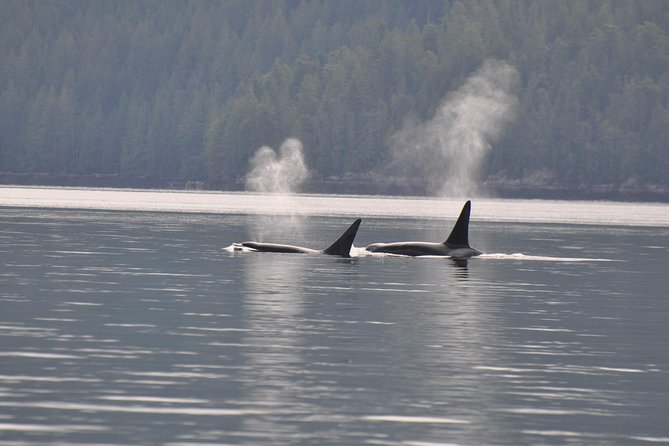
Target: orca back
276, 247
459, 236
342, 247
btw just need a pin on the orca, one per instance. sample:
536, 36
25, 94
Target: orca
456, 245
341, 247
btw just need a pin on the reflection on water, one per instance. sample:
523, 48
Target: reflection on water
272, 306
139, 328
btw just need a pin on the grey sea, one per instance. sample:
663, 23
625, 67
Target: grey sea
128, 318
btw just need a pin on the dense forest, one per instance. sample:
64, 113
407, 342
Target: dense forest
191, 89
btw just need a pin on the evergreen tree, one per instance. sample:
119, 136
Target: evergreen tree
190, 89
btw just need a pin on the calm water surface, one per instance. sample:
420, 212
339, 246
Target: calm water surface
120, 327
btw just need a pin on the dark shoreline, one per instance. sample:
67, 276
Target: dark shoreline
353, 185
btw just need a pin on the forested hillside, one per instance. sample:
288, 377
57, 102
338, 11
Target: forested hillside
191, 89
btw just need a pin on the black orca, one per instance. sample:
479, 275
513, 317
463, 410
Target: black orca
455, 246
342, 247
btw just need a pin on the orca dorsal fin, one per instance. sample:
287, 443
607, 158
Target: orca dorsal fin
342, 247
460, 234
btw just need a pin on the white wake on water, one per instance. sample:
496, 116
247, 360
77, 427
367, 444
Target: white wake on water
519, 256
362, 252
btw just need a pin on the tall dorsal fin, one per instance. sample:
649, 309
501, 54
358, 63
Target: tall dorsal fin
460, 233
342, 247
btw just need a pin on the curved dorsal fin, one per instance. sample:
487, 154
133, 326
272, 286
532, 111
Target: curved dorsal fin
460, 233
342, 247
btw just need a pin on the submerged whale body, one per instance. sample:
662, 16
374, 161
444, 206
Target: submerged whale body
341, 247
455, 246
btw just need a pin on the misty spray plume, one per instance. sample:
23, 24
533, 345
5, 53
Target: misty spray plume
448, 151
280, 174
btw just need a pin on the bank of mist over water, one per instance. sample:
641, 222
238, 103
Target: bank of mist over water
272, 207
356, 184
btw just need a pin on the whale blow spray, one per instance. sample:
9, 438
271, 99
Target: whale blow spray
281, 174
448, 151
